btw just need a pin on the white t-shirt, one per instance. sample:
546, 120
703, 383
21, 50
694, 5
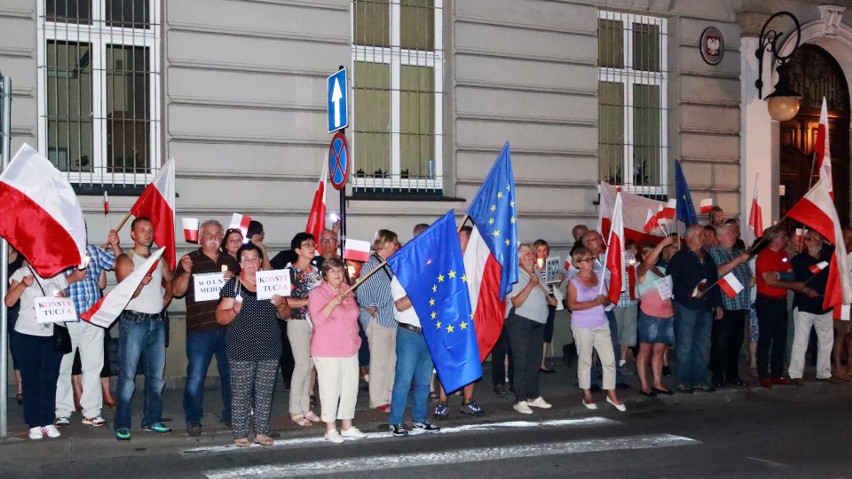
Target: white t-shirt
26, 323
408, 316
535, 306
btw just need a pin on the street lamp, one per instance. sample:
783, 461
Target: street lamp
783, 103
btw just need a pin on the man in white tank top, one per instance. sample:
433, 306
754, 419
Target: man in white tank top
141, 332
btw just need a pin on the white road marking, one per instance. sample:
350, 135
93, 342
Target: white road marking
768, 462
580, 422
362, 464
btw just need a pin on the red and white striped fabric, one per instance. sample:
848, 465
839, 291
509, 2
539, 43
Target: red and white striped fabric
483, 273
40, 215
669, 211
157, 203
706, 206
107, 309
816, 268
816, 210
190, 229
356, 250
755, 217
615, 252
822, 150
240, 222
651, 222
730, 285
634, 209
316, 219
106, 203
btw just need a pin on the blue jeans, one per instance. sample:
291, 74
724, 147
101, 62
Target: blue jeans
613, 332
39, 365
140, 334
200, 349
692, 345
413, 362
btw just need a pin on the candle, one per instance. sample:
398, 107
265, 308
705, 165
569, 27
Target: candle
631, 261
540, 262
224, 269
351, 270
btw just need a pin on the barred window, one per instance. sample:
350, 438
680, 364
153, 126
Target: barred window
633, 101
397, 54
99, 82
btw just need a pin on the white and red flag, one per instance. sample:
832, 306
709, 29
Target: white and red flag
755, 216
634, 210
669, 211
651, 222
816, 210
190, 229
730, 285
240, 222
106, 203
157, 203
40, 215
615, 252
316, 219
107, 309
816, 268
357, 250
822, 149
706, 206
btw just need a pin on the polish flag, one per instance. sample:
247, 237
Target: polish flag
822, 150
669, 210
190, 229
816, 268
706, 206
240, 222
730, 285
755, 216
106, 203
107, 309
356, 250
631, 280
633, 212
316, 219
651, 222
157, 203
615, 252
816, 210
40, 215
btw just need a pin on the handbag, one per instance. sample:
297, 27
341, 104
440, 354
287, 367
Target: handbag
61, 336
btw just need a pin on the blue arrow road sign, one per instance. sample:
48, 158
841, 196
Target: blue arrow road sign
337, 99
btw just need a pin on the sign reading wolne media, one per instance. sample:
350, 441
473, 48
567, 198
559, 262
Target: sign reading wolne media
207, 286
273, 282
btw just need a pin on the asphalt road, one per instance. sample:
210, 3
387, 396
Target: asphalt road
785, 432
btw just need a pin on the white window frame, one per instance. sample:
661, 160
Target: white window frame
99, 35
396, 57
629, 77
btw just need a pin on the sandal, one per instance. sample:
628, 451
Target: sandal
301, 420
242, 442
263, 440
312, 416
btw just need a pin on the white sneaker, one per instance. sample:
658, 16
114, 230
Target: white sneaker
352, 433
62, 421
522, 407
540, 403
334, 437
96, 421
50, 431
35, 433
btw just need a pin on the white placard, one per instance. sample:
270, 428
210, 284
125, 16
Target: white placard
665, 286
55, 309
272, 282
207, 286
553, 270
844, 312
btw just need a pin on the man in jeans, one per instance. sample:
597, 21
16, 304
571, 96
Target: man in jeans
204, 336
141, 332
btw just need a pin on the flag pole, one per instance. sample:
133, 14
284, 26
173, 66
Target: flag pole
120, 225
464, 221
364, 278
606, 257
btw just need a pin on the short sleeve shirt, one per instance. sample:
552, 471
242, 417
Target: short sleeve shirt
771, 261
303, 283
254, 335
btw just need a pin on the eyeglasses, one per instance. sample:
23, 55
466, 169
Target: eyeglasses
328, 240
586, 260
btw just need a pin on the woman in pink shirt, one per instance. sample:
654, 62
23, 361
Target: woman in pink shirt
334, 348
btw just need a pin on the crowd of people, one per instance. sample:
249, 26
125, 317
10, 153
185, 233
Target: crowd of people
329, 336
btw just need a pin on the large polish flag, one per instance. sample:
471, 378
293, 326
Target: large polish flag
157, 203
816, 210
40, 215
615, 252
822, 149
491, 257
107, 309
634, 214
316, 220
755, 217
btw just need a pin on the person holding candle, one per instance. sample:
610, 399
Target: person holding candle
253, 346
542, 251
205, 337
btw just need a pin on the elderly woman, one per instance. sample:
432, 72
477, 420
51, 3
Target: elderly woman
376, 317
525, 328
334, 348
542, 251
656, 316
232, 241
33, 346
253, 346
590, 328
304, 278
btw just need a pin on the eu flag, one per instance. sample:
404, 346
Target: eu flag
431, 269
685, 207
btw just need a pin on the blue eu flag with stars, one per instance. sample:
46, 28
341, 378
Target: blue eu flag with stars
431, 269
685, 207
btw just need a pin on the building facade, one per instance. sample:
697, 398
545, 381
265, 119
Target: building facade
235, 92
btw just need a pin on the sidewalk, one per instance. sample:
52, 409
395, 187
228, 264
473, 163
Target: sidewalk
558, 389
